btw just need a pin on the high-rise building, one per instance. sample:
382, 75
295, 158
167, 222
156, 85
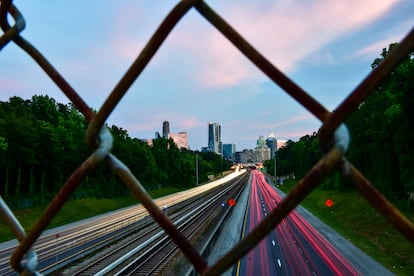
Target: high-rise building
271, 142
214, 138
261, 141
262, 151
180, 139
165, 129
228, 150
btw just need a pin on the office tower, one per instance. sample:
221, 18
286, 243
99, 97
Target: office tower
214, 138
228, 150
165, 129
262, 151
271, 142
261, 141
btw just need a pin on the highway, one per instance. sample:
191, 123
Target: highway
294, 247
59, 247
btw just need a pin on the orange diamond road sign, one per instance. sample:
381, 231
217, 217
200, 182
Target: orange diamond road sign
329, 203
231, 202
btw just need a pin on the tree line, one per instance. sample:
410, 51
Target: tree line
382, 135
42, 142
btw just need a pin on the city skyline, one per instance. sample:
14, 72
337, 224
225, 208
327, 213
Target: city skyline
214, 136
197, 76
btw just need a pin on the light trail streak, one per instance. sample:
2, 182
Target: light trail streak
300, 245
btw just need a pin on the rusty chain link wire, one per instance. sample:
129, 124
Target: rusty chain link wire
333, 139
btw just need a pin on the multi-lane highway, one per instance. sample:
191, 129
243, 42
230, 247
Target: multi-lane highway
294, 247
60, 247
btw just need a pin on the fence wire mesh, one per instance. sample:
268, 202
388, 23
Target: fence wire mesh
333, 139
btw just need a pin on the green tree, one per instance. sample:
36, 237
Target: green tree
382, 130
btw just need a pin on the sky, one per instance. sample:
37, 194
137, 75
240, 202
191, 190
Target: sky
197, 76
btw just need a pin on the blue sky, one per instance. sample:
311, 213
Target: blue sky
197, 76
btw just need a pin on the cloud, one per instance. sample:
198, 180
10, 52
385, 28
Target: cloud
291, 121
271, 119
285, 33
218, 74
289, 126
9, 84
374, 49
94, 53
149, 122
189, 122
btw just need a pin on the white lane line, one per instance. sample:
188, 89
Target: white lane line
278, 262
273, 243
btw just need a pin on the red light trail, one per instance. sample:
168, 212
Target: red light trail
294, 247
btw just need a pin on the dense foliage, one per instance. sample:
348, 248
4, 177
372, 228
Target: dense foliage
295, 158
382, 131
382, 135
42, 142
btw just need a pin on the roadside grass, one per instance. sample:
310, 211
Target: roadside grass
355, 219
75, 210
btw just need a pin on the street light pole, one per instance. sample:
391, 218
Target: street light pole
275, 170
196, 169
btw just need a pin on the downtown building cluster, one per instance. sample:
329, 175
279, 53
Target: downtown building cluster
265, 147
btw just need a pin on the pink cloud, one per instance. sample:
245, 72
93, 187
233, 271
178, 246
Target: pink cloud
151, 122
11, 84
189, 122
285, 33
301, 124
374, 50
279, 121
292, 120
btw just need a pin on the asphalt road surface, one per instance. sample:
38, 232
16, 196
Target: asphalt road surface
301, 244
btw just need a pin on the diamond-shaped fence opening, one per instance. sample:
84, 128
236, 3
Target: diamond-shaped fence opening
333, 138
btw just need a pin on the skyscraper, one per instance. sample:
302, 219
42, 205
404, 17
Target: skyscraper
214, 138
261, 151
228, 150
261, 141
165, 129
271, 142
180, 138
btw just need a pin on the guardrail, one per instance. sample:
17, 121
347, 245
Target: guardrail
333, 138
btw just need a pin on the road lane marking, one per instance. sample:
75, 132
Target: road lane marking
273, 243
279, 263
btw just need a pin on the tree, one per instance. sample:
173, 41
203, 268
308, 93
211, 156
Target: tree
382, 130
42, 142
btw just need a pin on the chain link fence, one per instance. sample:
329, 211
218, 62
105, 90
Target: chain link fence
333, 139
